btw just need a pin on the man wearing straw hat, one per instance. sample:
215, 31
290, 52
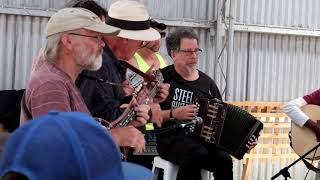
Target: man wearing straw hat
104, 99
74, 43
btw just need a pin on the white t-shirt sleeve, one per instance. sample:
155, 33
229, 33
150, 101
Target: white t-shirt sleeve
292, 109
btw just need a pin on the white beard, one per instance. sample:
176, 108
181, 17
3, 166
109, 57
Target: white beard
88, 60
95, 64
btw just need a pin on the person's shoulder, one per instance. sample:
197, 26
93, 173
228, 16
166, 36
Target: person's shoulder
204, 76
49, 87
167, 70
43, 78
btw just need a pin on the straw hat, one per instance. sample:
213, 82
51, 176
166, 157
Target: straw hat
133, 19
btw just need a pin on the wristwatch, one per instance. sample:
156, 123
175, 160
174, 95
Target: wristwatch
171, 118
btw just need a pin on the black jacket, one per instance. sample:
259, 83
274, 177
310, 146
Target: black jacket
103, 100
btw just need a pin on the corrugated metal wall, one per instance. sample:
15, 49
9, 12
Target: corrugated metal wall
289, 13
264, 67
21, 37
268, 67
173, 9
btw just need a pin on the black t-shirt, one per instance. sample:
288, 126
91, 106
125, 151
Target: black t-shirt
183, 92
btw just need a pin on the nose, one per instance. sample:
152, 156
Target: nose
194, 54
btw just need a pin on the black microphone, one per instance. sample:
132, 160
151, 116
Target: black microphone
195, 121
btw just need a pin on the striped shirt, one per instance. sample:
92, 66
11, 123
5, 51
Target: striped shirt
50, 88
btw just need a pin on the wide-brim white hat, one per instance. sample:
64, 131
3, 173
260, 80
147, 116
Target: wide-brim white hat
133, 19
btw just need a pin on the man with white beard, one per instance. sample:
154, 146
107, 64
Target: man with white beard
73, 44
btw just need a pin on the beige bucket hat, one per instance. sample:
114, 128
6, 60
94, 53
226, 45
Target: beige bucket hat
68, 19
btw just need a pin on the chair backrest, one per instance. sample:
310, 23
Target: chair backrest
10, 106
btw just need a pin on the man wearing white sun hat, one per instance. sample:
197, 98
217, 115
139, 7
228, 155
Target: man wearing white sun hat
104, 100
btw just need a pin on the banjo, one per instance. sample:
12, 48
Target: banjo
303, 139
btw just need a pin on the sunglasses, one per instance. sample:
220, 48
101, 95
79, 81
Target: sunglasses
163, 34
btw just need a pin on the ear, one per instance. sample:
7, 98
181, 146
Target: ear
66, 42
173, 54
125, 41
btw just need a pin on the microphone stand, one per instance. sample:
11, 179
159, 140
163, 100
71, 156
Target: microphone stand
285, 173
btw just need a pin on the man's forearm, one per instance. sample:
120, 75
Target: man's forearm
312, 125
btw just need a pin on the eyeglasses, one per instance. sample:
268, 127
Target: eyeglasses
97, 38
163, 34
190, 51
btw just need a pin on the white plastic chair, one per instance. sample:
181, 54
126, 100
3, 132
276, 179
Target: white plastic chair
170, 170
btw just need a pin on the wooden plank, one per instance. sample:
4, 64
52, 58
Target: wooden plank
277, 125
269, 115
286, 145
274, 156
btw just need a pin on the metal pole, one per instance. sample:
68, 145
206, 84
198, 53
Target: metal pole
230, 46
219, 35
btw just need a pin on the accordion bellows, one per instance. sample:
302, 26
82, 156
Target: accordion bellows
227, 126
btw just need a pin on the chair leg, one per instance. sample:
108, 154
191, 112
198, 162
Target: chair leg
205, 175
166, 174
245, 169
318, 175
156, 172
170, 173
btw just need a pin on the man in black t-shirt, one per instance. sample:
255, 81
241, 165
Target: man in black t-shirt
186, 84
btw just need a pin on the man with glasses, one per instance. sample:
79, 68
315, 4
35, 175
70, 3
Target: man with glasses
73, 44
104, 99
149, 55
187, 83
125, 136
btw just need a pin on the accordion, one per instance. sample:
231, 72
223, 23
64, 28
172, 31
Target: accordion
227, 126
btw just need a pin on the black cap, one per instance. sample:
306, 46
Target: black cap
155, 24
